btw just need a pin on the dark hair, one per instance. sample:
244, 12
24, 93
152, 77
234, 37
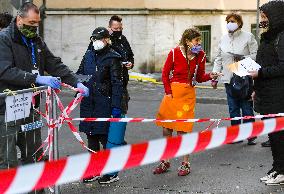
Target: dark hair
189, 34
5, 19
114, 18
25, 8
237, 17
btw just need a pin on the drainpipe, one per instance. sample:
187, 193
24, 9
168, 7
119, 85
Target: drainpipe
257, 21
42, 17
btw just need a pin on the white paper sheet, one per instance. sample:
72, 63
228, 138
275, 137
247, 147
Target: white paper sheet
18, 106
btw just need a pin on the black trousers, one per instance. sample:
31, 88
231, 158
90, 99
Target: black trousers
277, 148
94, 141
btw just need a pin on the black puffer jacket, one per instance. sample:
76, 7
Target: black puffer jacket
269, 86
105, 88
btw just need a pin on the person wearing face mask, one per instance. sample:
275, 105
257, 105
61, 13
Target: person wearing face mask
184, 66
234, 46
269, 81
121, 45
106, 88
24, 58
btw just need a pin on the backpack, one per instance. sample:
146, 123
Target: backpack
241, 87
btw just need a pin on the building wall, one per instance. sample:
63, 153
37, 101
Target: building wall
5, 6
155, 4
150, 35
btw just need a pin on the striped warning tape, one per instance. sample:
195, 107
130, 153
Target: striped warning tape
74, 168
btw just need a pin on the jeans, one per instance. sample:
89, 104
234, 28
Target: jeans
116, 137
238, 105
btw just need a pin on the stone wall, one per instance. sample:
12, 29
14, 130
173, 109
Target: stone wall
151, 35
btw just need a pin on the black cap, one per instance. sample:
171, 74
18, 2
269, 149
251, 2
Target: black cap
100, 33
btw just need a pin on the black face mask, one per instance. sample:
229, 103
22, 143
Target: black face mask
116, 34
264, 24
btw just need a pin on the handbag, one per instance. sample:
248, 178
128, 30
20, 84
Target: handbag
241, 87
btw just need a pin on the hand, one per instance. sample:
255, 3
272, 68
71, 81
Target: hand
215, 75
253, 74
84, 89
129, 65
116, 112
214, 84
53, 82
253, 96
169, 95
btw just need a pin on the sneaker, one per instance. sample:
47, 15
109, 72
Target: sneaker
268, 176
106, 179
251, 141
276, 179
236, 142
184, 169
266, 144
162, 167
91, 179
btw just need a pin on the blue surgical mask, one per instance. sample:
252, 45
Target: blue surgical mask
196, 49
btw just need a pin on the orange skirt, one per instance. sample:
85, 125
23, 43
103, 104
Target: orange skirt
180, 106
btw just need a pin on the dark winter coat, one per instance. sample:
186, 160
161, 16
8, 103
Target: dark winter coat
269, 86
122, 46
105, 88
16, 64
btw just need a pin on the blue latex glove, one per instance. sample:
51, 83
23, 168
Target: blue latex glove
84, 88
53, 82
116, 112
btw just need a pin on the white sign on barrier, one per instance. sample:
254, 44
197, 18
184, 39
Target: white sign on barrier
18, 106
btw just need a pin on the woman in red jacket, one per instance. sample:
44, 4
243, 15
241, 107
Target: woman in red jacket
185, 65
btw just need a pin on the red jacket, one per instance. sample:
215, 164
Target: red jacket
177, 64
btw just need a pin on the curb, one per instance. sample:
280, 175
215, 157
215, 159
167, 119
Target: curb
154, 81
205, 100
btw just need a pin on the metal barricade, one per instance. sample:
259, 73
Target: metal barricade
21, 126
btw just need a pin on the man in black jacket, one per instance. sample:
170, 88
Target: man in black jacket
269, 81
121, 45
24, 58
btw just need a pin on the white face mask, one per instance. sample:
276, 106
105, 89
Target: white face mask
232, 26
98, 45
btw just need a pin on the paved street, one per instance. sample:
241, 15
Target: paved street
228, 169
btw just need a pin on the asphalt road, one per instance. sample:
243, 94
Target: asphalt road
228, 169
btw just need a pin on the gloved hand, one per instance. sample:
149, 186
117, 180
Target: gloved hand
53, 82
84, 89
116, 112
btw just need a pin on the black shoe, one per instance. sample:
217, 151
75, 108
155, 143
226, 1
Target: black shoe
236, 142
91, 179
266, 144
106, 179
251, 141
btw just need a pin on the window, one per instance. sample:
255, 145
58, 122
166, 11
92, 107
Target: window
206, 40
253, 29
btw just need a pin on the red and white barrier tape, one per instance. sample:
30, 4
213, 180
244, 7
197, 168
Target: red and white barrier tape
74, 168
146, 120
